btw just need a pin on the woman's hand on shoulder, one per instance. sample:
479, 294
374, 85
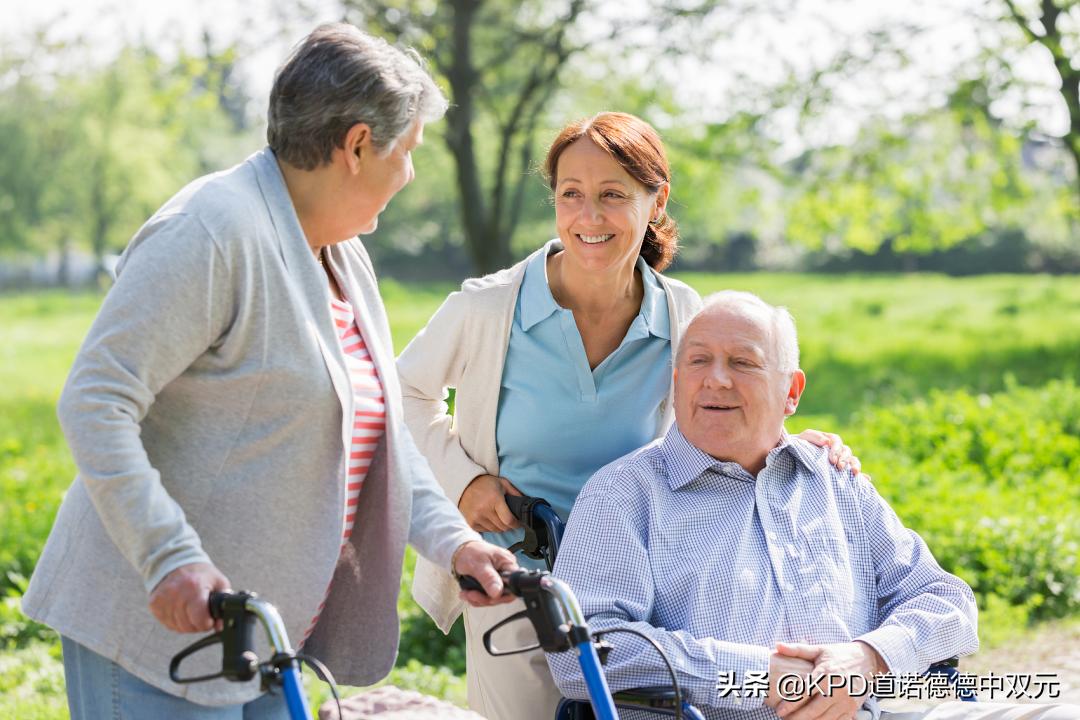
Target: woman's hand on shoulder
483, 506
840, 454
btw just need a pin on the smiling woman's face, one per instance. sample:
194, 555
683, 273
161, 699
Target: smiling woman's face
601, 211
730, 396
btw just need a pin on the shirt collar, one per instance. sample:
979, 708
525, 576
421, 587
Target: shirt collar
685, 462
537, 303
806, 453
535, 298
654, 302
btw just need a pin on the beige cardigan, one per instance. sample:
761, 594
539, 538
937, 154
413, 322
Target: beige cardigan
464, 347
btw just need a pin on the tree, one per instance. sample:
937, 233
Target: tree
90, 152
503, 63
36, 125
927, 183
1055, 26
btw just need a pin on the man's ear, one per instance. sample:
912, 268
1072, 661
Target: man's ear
357, 144
795, 391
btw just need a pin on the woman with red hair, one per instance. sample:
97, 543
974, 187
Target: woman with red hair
561, 364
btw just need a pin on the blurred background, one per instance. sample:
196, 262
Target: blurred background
903, 176
804, 134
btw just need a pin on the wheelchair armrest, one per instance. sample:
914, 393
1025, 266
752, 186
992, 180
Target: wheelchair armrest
656, 696
659, 699
950, 669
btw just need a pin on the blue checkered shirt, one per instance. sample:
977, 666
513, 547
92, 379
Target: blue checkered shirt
718, 566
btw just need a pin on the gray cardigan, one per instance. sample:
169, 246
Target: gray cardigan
208, 413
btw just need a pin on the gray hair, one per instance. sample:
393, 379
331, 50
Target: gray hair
781, 324
337, 77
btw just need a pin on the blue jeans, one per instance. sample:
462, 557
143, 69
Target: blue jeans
99, 689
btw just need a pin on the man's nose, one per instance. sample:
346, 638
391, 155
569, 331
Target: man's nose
718, 376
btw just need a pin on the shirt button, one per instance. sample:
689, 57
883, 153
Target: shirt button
792, 551
789, 587
772, 535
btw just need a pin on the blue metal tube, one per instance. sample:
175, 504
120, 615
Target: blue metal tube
599, 693
295, 698
690, 712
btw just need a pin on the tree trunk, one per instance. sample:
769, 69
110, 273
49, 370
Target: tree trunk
63, 268
1070, 90
487, 249
100, 214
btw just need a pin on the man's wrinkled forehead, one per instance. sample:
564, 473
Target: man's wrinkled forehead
739, 327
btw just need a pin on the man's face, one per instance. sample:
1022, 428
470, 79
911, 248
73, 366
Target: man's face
730, 396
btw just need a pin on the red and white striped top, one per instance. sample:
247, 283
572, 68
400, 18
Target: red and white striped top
369, 415
369, 407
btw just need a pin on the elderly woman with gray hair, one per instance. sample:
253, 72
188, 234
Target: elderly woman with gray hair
235, 413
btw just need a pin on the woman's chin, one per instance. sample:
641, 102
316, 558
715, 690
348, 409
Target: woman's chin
369, 228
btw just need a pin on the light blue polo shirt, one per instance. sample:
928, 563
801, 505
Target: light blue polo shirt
559, 421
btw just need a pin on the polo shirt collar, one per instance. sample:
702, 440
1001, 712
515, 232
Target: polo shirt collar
654, 302
537, 303
535, 298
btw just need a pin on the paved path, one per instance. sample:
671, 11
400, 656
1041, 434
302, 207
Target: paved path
1053, 648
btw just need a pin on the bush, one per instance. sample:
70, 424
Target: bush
990, 484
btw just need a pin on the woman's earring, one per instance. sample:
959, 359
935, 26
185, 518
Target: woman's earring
658, 220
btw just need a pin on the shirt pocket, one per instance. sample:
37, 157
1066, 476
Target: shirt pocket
827, 568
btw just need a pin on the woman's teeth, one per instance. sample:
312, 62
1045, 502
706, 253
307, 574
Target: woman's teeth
594, 239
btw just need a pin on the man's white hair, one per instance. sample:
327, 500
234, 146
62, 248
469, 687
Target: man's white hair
781, 325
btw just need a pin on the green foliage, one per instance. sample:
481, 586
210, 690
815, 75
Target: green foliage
872, 340
990, 482
926, 183
92, 150
32, 683
985, 470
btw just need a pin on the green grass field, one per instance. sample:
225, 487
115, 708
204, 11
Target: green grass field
957, 394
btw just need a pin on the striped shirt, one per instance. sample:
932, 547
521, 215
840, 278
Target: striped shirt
718, 565
369, 416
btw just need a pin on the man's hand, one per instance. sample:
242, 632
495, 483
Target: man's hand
484, 562
779, 667
840, 660
181, 601
483, 505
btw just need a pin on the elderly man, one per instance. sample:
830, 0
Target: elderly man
741, 551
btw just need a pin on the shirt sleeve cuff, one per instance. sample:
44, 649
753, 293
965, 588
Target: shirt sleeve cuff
178, 560
747, 669
446, 552
896, 647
